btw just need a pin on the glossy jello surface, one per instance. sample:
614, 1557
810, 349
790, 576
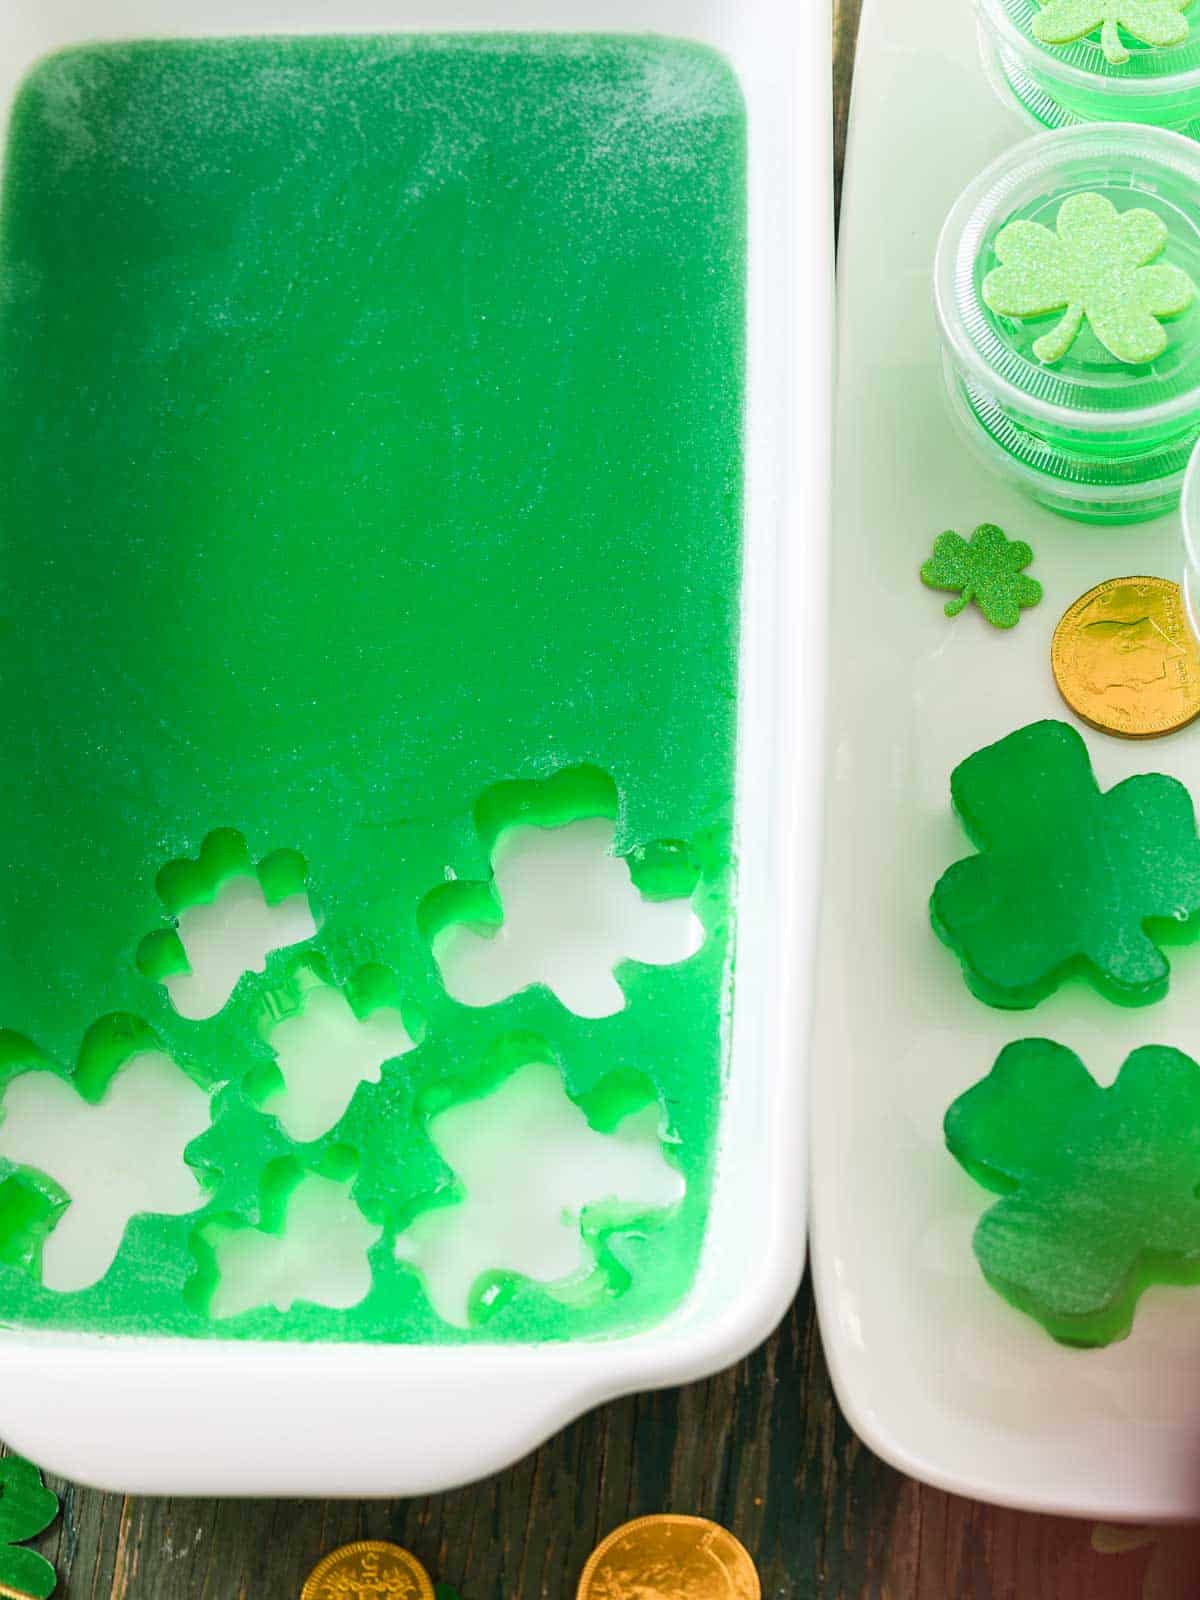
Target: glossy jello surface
370, 455
1069, 880
1098, 1186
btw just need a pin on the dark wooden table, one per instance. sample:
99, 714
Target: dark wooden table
761, 1448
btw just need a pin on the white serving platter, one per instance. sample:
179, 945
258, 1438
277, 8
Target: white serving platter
177, 1417
935, 1371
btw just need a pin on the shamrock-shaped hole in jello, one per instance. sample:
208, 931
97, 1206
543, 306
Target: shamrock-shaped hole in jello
561, 909
1094, 265
547, 1188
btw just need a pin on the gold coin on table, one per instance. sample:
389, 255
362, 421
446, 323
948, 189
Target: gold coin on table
670, 1558
368, 1570
1125, 661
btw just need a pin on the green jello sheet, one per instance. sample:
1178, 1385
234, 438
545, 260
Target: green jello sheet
370, 479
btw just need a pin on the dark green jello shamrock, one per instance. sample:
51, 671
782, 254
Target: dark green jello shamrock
1099, 1185
26, 1508
987, 570
1068, 880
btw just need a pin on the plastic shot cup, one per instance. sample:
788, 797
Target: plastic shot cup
1061, 85
1087, 434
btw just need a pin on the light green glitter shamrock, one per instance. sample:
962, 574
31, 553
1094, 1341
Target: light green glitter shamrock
1097, 264
988, 571
1155, 22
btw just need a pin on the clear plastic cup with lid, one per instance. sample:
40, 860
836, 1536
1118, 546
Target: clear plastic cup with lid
1108, 75
1080, 382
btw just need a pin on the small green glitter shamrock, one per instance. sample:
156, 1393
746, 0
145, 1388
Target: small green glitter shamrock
26, 1508
987, 571
1096, 265
1156, 22
1098, 1186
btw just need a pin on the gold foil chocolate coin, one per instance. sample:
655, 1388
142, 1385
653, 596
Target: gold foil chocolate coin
369, 1570
670, 1558
1125, 661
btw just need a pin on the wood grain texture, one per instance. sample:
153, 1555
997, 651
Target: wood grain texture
761, 1448
845, 36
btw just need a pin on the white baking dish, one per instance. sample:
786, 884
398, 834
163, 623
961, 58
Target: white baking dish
177, 1417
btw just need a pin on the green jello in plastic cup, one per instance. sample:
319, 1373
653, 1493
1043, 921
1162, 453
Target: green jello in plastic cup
1088, 434
1060, 85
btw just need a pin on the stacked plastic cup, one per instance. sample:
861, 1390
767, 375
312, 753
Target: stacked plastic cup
1105, 77
1087, 434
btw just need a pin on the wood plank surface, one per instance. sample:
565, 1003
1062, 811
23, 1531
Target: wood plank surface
761, 1448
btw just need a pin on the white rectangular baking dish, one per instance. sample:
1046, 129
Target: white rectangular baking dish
933, 1369
177, 1417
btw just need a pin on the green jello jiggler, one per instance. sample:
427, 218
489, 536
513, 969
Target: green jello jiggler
1066, 294
1065, 62
1069, 880
1098, 1186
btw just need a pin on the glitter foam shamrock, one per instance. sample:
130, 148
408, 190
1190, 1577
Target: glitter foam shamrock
1098, 1186
988, 571
1156, 22
1098, 263
27, 1507
1068, 880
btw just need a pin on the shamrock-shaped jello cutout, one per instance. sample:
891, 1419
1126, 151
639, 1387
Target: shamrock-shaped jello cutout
98, 1146
564, 911
228, 914
1156, 22
311, 1244
1096, 265
27, 1507
1099, 1186
538, 1188
987, 571
1068, 879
